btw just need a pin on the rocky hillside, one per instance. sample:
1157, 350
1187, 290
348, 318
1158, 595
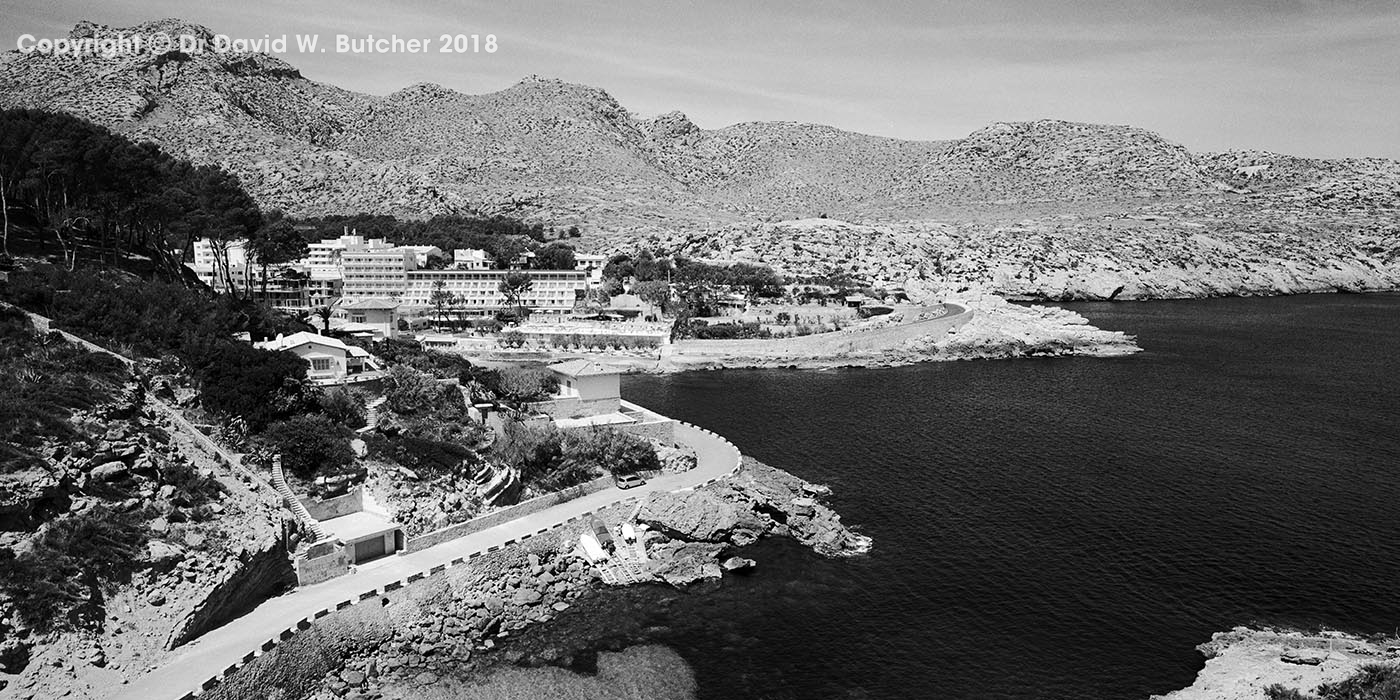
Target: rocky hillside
567, 154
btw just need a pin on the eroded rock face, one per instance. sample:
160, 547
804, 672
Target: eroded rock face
683, 564
700, 516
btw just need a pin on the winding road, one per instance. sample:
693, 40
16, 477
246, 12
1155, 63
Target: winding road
203, 662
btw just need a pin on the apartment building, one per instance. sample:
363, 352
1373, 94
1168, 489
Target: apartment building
552, 293
378, 272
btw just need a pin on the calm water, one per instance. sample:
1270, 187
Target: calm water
1062, 528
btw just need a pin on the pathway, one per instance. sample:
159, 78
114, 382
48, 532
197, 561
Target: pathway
201, 662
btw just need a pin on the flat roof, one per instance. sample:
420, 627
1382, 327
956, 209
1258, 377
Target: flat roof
358, 526
583, 368
588, 421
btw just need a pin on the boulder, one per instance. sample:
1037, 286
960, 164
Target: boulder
699, 516
687, 563
1305, 657
738, 564
163, 555
111, 471
527, 596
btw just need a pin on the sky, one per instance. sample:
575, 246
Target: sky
1305, 77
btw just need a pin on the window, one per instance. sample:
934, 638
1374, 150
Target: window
321, 364
357, 318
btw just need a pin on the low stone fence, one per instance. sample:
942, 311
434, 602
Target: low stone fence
505, 515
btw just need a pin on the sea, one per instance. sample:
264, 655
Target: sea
1043, 528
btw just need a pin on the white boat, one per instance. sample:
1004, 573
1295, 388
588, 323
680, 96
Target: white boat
628, 533
592, 551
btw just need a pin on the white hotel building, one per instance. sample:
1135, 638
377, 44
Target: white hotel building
356, 269
552, 294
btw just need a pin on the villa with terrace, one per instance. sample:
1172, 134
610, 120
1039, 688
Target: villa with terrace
589, 395
332, 361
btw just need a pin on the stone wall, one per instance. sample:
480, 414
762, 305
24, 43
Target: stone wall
325, 509
661, 431
575, 407
504, 515
311, 570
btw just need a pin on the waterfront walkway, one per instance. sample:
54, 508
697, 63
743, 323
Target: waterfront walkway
201, 663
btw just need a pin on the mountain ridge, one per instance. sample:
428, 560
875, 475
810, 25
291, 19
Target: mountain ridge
541, 146
563, 154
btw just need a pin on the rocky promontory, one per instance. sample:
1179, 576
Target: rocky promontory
441, 633
1241, 663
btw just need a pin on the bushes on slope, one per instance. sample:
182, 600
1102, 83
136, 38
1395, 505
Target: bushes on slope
60, 582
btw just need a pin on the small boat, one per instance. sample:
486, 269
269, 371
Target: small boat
600, 532
592, 551
628, 534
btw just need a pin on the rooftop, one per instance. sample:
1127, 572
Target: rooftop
583, 368
369, 303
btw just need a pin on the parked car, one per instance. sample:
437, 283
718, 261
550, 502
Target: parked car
627, 481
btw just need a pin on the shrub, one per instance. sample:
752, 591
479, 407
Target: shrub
424, 456
62, 580
192, 489
1370, 682
259, 386
512, 339
408, 390
607, 450
310, 444
344, 406
519, 384
1278, 692
536, 449
43, 379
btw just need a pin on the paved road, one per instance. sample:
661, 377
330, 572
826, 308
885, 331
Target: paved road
194, 663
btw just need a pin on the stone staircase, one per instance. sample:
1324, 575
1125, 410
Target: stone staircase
372, 415
279, 481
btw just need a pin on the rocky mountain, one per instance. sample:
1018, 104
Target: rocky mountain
564, 154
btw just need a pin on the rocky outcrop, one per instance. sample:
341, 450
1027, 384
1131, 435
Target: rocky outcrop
755, 502
1241, 663
253, 574
700, 516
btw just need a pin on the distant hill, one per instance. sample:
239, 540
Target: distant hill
547, 148
562, 154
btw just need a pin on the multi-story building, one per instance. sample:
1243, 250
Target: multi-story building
471, 259
552, 292
421, 253
377, 273
326, 255
207, 265
358, 269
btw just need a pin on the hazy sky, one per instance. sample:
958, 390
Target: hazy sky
1297, 76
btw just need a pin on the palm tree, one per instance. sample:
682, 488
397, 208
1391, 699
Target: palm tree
325, 313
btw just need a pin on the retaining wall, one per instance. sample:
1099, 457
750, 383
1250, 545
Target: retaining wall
326, 509
505, 515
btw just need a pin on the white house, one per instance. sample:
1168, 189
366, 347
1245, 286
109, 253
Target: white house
374, 316
590, 396
332, 362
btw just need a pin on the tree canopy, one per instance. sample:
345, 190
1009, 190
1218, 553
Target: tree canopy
98, 194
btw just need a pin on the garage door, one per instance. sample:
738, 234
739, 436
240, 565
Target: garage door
369, 549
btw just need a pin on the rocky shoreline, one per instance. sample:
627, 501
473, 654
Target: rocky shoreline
1242, 662
447, 629
996, 330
